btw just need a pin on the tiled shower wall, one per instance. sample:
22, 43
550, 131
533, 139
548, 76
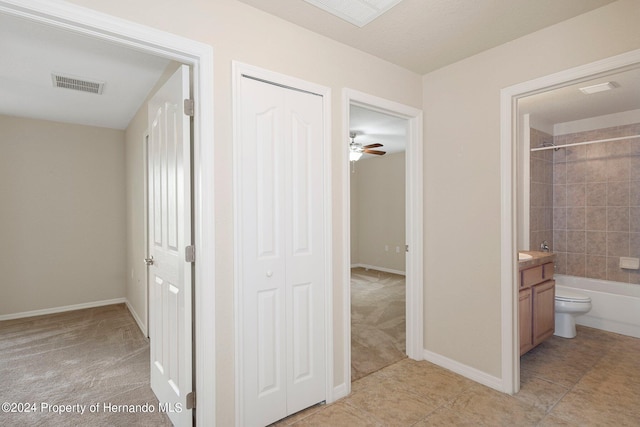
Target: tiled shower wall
596, 204
541, 192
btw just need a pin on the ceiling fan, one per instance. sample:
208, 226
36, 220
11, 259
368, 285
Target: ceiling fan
356, 150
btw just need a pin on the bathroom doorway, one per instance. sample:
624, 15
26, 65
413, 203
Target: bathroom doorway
558, 112
583, 191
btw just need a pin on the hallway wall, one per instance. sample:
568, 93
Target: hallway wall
463, 172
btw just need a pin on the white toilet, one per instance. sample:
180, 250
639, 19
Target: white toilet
568, 305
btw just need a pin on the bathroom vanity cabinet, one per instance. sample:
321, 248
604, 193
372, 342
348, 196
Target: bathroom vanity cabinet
536, 308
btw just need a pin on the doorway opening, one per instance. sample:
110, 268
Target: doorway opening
515, 149
402, 255
378, 294
199, 57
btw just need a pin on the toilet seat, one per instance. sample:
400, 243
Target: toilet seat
569, 296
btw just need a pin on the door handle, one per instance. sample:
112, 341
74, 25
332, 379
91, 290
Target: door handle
148, 261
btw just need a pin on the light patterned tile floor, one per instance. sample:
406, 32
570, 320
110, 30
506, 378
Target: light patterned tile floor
377, 320
592, 380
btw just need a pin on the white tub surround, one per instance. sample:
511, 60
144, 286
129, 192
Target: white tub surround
615, 306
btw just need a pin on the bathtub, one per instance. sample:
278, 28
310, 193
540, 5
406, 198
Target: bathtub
615, 305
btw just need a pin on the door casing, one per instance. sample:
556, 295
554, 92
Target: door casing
414, 226
509, 152
199, 56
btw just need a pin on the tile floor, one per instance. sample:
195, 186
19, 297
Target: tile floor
592, 380
377, 321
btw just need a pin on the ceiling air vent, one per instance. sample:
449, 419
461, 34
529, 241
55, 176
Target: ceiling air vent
77, 83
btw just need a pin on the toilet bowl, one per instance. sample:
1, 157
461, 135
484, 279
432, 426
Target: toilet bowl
568, 305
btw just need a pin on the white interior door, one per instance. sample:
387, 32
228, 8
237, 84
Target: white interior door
282, 238
170, 278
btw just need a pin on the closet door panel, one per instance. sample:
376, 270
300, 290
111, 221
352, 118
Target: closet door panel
305, 251
281, 193
263, 254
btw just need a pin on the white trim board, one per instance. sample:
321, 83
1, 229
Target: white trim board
135, 316
340, 391
64, 308
74, 307
199, 57
509, 151
414, 224
383, 269
464, 370
239, 70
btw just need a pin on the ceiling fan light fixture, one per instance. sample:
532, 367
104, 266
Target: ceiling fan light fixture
354, 156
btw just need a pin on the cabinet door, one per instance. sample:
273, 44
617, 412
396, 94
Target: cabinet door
525, 316
543, 310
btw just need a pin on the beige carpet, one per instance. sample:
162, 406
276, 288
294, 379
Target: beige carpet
96, 356
377, 321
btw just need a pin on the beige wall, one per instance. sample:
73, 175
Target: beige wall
136, 277
462, 173
378, 199
239, 32
353, 210
61, 216
462, 152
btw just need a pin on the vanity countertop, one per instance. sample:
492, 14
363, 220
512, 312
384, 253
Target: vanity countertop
539, 258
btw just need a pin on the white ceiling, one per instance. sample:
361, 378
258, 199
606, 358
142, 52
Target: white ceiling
423, 35
373, 127
30, 52
567, 104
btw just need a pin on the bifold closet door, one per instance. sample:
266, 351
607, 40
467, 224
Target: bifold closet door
282, 239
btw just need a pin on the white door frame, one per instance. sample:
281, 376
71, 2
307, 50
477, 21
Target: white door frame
199, 57
414, 224
145, 222
509, 151
239, 70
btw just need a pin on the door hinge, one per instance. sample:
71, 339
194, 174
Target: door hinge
406, 248
191, 400
189, 107
190, 253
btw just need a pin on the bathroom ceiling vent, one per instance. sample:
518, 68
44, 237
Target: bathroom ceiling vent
77, 83
601, 87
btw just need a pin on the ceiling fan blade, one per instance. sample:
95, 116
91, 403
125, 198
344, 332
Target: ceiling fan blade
377, 152
376, 145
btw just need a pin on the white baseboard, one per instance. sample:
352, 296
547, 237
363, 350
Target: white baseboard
384, 269
135, 316
339, 392
62, 309
464, 370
